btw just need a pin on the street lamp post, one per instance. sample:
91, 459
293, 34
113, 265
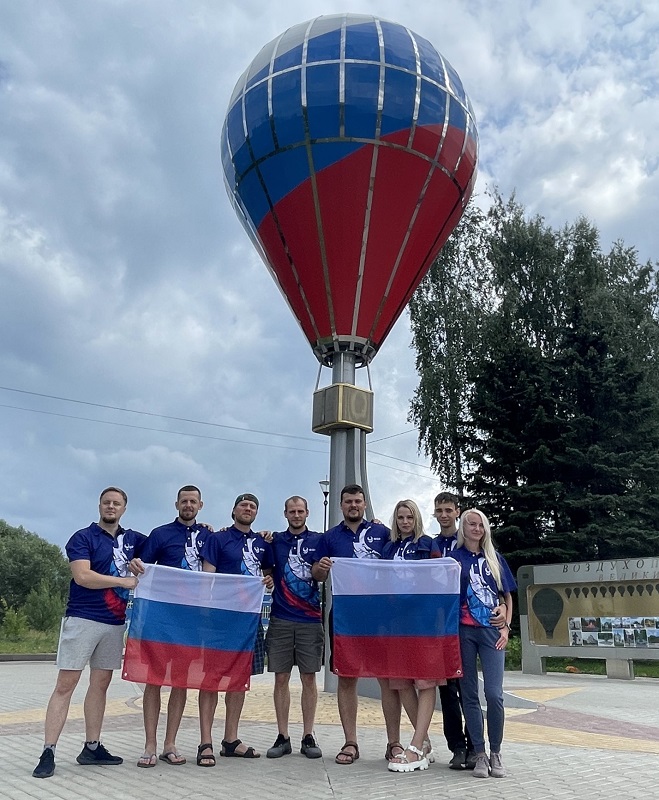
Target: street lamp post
324, 488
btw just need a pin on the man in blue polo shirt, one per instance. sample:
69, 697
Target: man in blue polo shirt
234, 551
356, 538
295, 633
447, 514
93, 628
176, 544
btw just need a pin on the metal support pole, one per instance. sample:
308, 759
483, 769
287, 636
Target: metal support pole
347, 465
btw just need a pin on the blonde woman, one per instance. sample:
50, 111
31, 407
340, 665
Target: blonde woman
486, 608
408, 542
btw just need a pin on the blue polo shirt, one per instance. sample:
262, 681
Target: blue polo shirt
296, 596
233, 552
479, 593
409, 550
446, 544
107, 555
176, 545
341, 542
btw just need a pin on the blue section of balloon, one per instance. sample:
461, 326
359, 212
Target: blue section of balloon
379, 60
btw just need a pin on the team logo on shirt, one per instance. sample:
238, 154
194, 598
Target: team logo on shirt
193, 545
362, 547
252, 554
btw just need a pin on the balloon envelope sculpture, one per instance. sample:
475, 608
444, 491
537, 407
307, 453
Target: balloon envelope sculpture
349, 152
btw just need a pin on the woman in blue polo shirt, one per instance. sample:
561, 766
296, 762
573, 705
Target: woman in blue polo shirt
408, 542
486, 583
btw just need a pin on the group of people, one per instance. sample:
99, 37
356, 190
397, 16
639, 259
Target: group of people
106, 561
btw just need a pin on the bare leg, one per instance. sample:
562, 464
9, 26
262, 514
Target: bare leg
151, 715
347, 699
427, 699
309, 700
175, 709
410, 702
234, 702
94, 706
58, 705
282, 699
207, 706
391, 708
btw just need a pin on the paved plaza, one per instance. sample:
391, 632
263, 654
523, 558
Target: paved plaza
583, 736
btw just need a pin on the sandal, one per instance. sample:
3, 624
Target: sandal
147, 760
229, 750
172, 757
428, 751
403, 764
389, 754
344, 757
210, 757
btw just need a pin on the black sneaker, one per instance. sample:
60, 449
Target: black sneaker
470, 762
309, 747
458, 760
46, 766
100, 757
281, 747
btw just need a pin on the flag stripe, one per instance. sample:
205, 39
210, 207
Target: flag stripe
173, 624
208, 589
187, 667
427, 658
402, 615
430, 576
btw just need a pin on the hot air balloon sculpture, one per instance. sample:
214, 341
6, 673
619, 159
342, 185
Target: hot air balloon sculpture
349, 152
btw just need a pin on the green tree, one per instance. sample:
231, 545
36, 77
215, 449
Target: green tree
43, 609
444, 313
559, 425
26, 561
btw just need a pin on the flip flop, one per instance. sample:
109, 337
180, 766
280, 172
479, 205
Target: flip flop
169, 755
147, 760
229, 750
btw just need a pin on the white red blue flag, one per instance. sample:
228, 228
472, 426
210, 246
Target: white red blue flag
193, 630
396, 619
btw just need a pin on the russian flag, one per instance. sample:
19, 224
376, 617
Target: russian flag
396, 619
193, 630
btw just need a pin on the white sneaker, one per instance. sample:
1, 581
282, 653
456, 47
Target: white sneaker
482, 768
497, 769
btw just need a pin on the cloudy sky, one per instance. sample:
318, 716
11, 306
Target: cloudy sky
142, 341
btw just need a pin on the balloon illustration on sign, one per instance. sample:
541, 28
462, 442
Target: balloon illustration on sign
349, 153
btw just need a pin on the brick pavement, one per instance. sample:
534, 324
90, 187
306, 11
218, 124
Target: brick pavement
589, 737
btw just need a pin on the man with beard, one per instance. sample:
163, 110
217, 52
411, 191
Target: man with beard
93, 628
295, 633
176, 544
234, 551
356, 538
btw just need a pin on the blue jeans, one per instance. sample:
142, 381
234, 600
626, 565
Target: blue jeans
480, 642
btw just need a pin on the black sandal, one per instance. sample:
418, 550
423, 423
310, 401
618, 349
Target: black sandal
346, 758
229, 750
209, 757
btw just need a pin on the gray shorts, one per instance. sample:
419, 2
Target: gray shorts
83, 641
294, 643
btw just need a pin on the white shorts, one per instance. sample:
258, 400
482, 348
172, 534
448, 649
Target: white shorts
83, 641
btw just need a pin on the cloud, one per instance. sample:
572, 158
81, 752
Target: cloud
127, 281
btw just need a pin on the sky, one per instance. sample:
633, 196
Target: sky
143, 342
